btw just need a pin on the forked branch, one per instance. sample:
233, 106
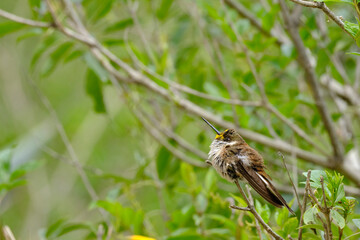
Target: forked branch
251, 209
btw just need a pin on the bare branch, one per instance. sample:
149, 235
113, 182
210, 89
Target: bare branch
265, 101
291, 181
251, 208
187, 89
170, 134
325, 9
311, 79
357, 75
258, 229
245, 13
8, 234
326, 210
307, 185
25, 21
73, 156
109, 60
158, 136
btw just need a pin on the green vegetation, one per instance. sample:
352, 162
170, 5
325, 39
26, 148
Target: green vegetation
100, 106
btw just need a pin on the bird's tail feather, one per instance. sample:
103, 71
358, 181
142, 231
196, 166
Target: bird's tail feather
262, 186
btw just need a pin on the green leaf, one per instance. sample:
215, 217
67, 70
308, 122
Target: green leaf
354, 53
188, 175
114, 208
163, 10
338, 219
73, 55
201, 203
228, 223
281, 216
121, 25
70, 227
309, 215
103, 9
315, 178
9, 27
290, 226
13, 184
340, 193
353, 29
94, 65
5, 156
162, 162
30, 33
54, 228
239, 200
316, 226
34, 3
55, 57
113, 42
46, 43
357, 222
263, 210
94, 90
210, 180
221, 232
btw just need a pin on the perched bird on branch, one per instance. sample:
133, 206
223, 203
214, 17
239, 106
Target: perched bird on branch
234, 159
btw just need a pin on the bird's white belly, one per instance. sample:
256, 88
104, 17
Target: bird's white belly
220, 165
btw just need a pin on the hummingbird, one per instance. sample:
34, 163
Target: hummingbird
234, 159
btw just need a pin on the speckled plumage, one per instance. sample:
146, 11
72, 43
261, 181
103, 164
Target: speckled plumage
234, 159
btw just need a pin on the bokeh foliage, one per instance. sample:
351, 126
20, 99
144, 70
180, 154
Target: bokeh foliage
143, 187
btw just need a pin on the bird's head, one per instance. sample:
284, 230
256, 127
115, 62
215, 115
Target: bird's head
228, 135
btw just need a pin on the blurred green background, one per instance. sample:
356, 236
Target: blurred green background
145, 189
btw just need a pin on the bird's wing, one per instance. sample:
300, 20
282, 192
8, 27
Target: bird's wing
273, 190
258, 183
253, 172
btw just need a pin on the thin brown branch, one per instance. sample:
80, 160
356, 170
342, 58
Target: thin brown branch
326, 210
357, 75
251, 209
75, 17
325, 9
189, 106
187, 89
133, 6
245, 13
311, 79
138, 78
291, 181
7, 233
71, 151
163, 141
353, 191
346, 92
258, 229
67, 31
224, 77
265, 101
105, 57
100, 232
171, 135
216, 59
25, 21
240, 208
307, 185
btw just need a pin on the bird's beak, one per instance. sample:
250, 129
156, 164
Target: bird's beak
217, 132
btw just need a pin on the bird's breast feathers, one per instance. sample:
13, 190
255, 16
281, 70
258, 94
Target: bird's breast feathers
223, 156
